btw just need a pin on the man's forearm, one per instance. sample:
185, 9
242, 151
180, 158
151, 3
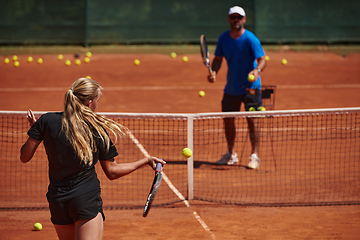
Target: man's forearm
216, 64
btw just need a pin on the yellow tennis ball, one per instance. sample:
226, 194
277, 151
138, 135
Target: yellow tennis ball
16, 64
30, 59
284, 61
67, 62
37, 226
186, 152
88, 77
252, 109
251, 78
40, 61
6, 60
87, 60
77, 62
201, 93
185, 59
60, 57
267, 58
137, 62
15, 58
88, 54
173, 55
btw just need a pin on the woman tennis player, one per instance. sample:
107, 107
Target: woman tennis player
74, 141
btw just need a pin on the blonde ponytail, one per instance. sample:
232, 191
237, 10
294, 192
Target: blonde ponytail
79, 121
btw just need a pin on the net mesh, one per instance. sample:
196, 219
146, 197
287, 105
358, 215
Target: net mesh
308, 157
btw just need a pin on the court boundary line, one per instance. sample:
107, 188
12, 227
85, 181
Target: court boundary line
173, 188
166, 88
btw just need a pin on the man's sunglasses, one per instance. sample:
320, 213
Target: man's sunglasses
236, 17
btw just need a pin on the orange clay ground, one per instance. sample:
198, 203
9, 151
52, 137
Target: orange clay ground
161, 84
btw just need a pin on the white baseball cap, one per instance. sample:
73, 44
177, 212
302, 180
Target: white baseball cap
237, 9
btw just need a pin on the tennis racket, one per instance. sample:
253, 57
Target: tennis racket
154, 187
205, 52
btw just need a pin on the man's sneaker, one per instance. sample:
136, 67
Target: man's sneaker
254, 161
228, 159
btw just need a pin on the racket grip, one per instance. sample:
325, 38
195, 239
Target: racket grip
158, 167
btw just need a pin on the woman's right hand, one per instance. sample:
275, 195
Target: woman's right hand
153, 160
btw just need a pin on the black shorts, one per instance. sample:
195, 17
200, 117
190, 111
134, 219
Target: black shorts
232, 103
83, 207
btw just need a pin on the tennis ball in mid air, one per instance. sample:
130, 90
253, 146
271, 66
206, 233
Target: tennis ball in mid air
77, 62
67, 62
87, 60
40, 61
251, 78
16, 64
137, 61
60, 57
37, 226
201, 93
267, 58
15, 58
185, 59
88, 54
6, 60
186, 152
284, 61
30, 59
173, 55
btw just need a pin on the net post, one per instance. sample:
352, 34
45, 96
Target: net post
190, 160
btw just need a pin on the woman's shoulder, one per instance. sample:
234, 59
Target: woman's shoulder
50, 116
53, 114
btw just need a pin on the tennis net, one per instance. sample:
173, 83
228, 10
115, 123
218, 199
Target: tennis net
308, 157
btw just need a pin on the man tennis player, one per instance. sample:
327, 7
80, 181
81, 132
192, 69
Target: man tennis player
245, 56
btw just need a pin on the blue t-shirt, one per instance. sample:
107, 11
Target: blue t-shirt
241, 55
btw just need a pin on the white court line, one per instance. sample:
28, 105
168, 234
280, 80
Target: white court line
166, 88
173, 188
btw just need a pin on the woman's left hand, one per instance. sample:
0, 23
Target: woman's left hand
31, 117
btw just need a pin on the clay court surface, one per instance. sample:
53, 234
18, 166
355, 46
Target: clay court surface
161, 84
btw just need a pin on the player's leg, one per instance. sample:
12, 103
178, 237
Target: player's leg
230, 132
65, 232
254, 135
229, 104
64, 225
253, 99
90, 229
86, 211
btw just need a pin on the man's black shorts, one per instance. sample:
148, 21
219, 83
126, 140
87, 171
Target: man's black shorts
232, 103
83, 207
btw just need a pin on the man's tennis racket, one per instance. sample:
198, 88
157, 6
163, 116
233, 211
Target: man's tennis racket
154, 187
205, 52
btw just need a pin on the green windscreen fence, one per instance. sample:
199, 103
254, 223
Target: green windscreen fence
330, 21
170, 22
42, 22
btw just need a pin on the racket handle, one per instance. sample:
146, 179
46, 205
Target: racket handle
158, 167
